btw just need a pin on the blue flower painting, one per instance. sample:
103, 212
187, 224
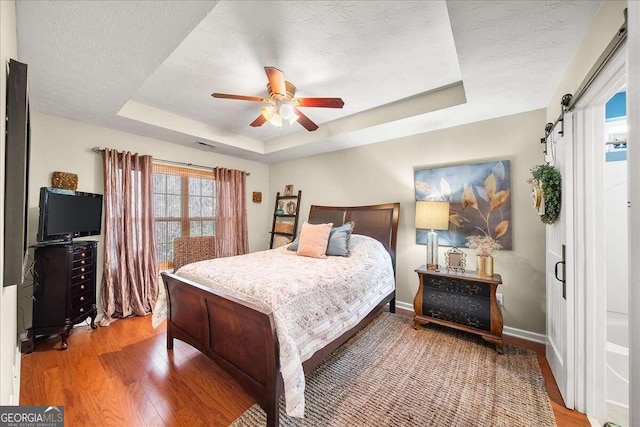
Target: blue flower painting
479, 197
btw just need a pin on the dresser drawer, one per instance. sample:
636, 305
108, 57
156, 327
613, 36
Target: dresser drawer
82, 270
81, 276
82, 287
81, 253
83, 262
81, 310
82, 299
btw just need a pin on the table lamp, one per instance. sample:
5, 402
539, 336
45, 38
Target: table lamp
432, 215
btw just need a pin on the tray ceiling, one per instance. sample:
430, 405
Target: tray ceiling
401, 67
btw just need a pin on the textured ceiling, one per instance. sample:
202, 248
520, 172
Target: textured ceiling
402, 68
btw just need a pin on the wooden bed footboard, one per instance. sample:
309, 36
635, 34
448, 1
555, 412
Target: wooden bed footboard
240, 337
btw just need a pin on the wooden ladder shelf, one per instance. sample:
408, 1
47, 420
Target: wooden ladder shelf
285, 217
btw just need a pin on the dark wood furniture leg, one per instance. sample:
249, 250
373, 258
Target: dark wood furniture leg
65, 334
94, 314
30, 344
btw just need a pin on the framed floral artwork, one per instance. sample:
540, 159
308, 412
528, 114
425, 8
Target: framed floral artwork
479, 197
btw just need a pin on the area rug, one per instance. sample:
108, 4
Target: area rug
392, 375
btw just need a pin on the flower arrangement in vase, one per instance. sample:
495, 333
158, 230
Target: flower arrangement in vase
485, 247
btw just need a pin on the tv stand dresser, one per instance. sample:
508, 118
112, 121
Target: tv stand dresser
64, 289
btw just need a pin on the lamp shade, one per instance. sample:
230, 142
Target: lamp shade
432, 215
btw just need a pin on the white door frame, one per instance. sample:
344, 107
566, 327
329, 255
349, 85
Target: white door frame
633, 164
590, 296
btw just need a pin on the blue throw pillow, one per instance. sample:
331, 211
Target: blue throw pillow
338, 240
294, 245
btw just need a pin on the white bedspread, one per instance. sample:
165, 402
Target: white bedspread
313, 300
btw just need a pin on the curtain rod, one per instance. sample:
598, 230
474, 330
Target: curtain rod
569, 101
174, 162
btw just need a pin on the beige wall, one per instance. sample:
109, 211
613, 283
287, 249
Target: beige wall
605, 25
59, 144
9, 388
383, 172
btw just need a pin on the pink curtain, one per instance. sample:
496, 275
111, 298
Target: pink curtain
231, 213
130, 277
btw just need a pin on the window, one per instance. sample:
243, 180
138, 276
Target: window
183, 205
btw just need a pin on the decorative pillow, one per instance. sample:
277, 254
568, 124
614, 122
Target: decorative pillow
339, 240
294, 245
314, 239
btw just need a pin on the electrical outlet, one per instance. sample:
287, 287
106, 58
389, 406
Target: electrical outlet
500, 299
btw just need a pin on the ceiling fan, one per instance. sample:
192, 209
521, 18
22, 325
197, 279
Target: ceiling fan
282, 104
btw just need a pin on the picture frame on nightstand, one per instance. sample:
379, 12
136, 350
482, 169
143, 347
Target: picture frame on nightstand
455, 260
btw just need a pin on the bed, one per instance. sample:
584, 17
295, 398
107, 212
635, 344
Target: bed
242, 337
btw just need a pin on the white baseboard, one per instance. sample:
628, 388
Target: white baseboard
525, 335
404, 306
507, 330
17, 365
594, 421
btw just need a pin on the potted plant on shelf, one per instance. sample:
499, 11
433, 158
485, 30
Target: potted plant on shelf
485, 247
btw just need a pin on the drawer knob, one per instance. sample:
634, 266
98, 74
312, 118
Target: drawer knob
81, 298
81, 286
82, 262
82, 269
83, 255
81, 310
82, 277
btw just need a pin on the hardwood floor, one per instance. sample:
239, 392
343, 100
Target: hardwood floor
123, 375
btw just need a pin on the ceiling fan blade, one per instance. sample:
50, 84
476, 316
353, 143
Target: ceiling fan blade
321, 102
305, 121
259, 121
276, 80
240, 97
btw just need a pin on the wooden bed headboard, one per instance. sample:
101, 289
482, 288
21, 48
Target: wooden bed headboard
377, 221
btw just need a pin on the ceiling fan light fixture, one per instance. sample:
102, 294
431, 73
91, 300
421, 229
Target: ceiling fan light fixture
286, 111
282, 104
276, 120
267, 112
293, 119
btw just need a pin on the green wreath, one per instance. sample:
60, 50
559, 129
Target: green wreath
551, 181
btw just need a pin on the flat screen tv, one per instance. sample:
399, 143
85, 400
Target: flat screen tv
16, 173
66, 214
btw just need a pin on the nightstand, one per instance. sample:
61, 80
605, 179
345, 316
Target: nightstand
463, 301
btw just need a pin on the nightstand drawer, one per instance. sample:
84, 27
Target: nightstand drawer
475, 306
460, 317
457, 286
